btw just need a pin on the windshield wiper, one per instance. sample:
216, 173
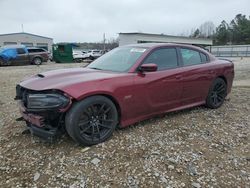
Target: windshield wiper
95, 68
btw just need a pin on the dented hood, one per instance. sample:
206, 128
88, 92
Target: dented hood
63, 78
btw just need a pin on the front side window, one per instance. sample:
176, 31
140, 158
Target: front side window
165, 58
190, 57
20, 51
118, 60
61, 48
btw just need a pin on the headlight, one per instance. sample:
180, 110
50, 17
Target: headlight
49, 101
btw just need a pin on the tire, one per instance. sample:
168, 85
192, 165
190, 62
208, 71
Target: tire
37, 61
92, 120
217, 94
1, 62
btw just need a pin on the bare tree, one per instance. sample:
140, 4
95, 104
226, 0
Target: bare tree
207, 29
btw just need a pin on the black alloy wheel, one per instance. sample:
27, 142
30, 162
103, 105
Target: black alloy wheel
92, 120
217, 93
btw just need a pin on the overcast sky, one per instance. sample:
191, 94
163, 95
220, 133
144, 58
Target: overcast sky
86, 21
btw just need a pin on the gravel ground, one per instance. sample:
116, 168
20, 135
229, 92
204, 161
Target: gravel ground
197, 147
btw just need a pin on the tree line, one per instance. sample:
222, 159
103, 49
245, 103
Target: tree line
108, 45
235, 32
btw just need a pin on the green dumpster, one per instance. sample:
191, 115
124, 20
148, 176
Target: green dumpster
62, 53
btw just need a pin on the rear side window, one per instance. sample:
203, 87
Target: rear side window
35, 50
203, 57
20, 51
190, 57
165, 58
40, 50
31, 50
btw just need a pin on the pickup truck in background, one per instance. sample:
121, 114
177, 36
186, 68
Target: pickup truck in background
21, 55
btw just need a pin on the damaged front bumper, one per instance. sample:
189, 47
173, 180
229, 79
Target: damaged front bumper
40, 126
47, 124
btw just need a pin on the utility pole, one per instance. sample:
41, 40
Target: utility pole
22, 28
104, 40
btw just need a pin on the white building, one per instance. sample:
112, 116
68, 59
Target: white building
26, 39
134, 38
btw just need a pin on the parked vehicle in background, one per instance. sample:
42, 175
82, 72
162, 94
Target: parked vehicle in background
124, 86
20, 55
50, 56
78, 55
38, 55
93, 54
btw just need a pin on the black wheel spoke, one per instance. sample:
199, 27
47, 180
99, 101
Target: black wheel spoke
92, 107
105, 126
87, 113
219, 87
85, 129
107, 120
82, 123
215, 100
221, 90
101, 109
98, 132
220, 98
93, 133
107, 110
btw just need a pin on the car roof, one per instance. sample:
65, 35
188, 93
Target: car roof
34, 48
13, 46
153, 45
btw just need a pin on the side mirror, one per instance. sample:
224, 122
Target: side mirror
151, 67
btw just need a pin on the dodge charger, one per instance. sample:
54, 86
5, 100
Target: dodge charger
126, 85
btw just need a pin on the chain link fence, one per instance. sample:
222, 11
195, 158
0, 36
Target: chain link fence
231, 50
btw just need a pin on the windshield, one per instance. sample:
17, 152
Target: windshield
1, 49
118, 60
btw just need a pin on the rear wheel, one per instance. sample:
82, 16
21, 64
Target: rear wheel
92, 120
217, 93
37, 61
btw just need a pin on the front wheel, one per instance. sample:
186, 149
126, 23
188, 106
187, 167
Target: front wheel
92, 120
1, 62
217, 93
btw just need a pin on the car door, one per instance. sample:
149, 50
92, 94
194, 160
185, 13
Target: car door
196, 76
161, 90
22, 57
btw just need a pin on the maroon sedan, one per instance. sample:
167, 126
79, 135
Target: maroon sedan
124, 86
